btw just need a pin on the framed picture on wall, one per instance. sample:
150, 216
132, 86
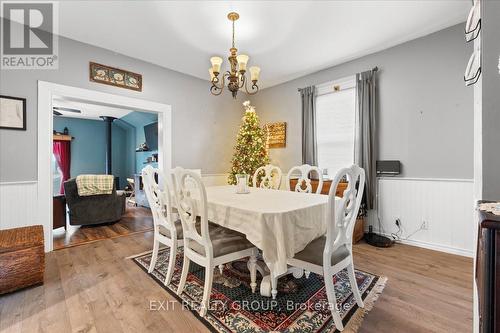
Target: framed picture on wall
275, 135
12, 113
115, 76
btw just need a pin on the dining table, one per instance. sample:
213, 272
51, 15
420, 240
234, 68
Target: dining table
279, 223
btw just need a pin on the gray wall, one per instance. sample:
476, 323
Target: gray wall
204, 126
490, 100
425, 115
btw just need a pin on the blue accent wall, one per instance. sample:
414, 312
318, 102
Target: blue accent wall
88, 148
138, 120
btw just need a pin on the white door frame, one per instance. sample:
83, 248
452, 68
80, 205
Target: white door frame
46, 90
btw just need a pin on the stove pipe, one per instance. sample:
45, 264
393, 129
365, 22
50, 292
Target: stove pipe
109, 123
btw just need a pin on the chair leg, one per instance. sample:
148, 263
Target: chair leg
207, 289
354, 286
154, 257
332, 300
307, 273
171, 263
221, 268
253, 271
185, 270
274, 286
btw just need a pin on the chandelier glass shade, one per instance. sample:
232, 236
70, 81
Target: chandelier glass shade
235, 78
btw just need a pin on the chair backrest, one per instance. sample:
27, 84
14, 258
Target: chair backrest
271, 178
159, 200
174, 173
304, 182
191, 201
341, 221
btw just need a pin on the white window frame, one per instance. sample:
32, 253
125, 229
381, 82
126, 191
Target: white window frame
329, 87
332, 87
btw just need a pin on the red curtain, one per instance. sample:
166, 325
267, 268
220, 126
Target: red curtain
62, 153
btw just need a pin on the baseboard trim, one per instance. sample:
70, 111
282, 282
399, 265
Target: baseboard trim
436, 247
432, 246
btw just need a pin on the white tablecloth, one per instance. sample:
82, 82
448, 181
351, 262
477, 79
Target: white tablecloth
280, 223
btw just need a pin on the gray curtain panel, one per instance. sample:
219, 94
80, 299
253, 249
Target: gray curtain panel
309, 148
366, 130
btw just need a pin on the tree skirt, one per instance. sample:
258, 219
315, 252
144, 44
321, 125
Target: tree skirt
301, 304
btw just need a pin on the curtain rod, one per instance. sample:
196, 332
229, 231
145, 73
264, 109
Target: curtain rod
374, 69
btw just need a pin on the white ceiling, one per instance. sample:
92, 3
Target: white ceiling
287, 39
88, 110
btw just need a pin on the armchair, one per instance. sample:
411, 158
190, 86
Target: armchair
94, 209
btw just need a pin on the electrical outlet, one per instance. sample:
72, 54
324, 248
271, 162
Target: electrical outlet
425, 225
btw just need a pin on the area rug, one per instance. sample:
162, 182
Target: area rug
301, 304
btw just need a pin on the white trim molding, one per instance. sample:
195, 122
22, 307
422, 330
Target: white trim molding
46, 92
443, 207
439, 247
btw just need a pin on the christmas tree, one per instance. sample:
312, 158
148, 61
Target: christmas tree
250, 151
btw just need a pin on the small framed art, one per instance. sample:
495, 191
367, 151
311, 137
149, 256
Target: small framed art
12, 113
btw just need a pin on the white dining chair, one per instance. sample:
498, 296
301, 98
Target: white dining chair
176, 172
207, 244
131, 192
304, 180
175, 178
167, 226
332, 253
271, 178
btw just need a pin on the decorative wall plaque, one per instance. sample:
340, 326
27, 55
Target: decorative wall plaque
115, 77
275, 135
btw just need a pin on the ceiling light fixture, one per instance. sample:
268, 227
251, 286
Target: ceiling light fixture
236, 75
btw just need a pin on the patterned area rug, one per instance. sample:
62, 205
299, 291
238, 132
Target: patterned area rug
301, 304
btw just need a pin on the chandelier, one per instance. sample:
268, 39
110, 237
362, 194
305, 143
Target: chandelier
235, 77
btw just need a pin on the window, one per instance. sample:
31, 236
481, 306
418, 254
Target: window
56, 176
335, 124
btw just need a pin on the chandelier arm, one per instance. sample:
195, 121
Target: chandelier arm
254, 88
216, 80
217, 89
226, 76
242, 81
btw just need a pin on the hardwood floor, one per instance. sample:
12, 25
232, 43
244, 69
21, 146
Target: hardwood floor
426, 291
93, 288
135, 220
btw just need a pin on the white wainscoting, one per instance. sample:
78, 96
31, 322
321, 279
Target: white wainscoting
446, 205
18, 204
